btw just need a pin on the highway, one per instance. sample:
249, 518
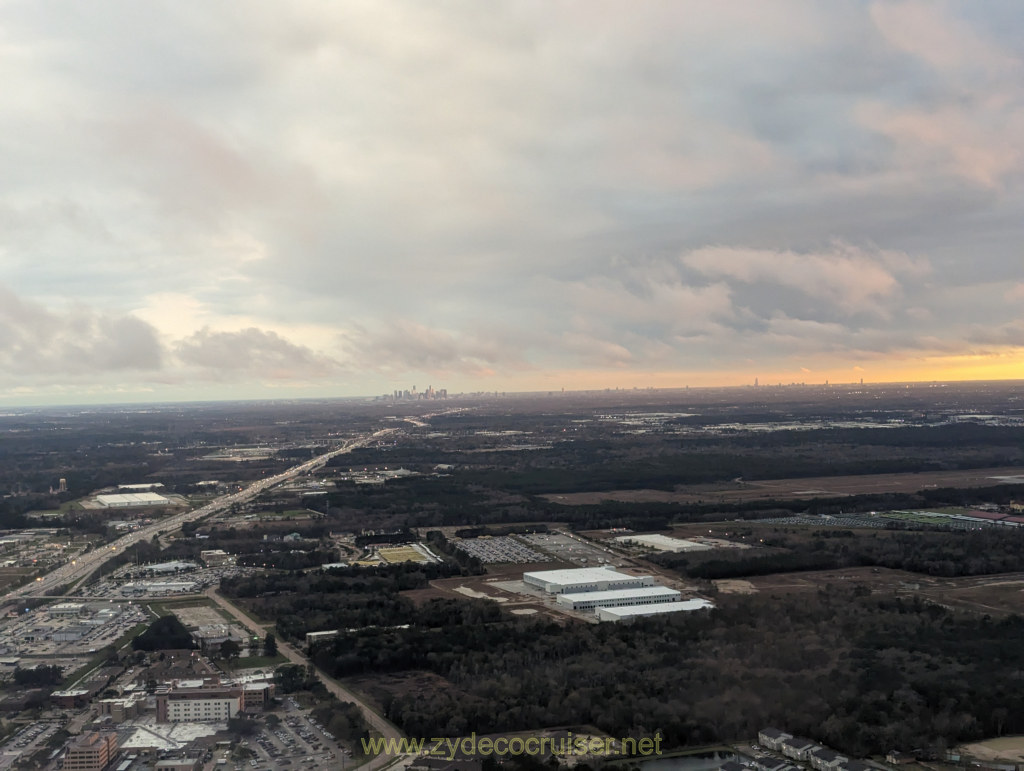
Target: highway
84, 565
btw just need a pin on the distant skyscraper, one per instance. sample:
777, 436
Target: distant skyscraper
62, 487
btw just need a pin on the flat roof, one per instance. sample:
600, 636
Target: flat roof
639, 592
579, 575
131, 498
663, 542
626, 611
984, 515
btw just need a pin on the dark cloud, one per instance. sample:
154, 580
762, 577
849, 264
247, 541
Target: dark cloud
38, 342
251, 353
371, 191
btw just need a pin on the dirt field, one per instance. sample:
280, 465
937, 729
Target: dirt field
734, 586
489, 587
808, 487
194, 616
1009, 748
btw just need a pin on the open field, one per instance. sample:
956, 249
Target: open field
806, 487
993, 595
10, 577
1009, 748
490, 586
194, 616
394, 554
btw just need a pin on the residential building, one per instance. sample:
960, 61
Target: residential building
772, 738
798, 748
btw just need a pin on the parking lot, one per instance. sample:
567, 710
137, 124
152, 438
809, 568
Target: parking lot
570, 548
81, 632
499, 549
25, 742
297, 741
119, 584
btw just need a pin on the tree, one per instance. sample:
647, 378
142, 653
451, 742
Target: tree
270, 645
291, 677
166, 633
229, 649
242, 726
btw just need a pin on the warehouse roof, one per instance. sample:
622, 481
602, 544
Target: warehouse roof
129, 499
640, 592
579, 575
628, 611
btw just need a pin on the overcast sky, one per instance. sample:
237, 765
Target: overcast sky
248, 199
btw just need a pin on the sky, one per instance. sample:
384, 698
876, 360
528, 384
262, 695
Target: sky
249, 199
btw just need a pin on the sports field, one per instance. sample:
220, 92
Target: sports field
394, 554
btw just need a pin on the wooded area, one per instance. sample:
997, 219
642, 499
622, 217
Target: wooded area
863, 673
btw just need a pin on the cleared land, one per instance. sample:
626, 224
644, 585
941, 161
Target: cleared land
993, 595
1009, 748
738, 491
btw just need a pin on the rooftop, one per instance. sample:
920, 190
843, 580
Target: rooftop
621, 594
661, 607
578, 575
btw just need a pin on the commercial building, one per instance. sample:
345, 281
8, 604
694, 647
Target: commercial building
214, 558
91, 751
327, 634
643, 595
119, 710
662, 542
584, 580
198, 703
66, 609
630, 612
212, 636
130, 500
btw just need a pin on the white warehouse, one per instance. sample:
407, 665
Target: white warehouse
131, 500
643, 595
631, 612
584, 580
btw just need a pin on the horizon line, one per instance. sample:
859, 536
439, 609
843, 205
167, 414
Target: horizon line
512, 394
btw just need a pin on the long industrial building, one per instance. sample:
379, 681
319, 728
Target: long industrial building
643, 595
630, 612
131, 500
584, 580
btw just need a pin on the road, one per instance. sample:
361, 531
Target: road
85, 564
379, 724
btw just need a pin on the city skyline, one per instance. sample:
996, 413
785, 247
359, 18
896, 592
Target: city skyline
267, 202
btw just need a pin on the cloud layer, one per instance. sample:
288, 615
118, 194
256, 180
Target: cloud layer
351, 198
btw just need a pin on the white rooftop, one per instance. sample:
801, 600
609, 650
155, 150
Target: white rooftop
578, 575
663, 542
627, 611
132, 499
640, 592
168, 736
